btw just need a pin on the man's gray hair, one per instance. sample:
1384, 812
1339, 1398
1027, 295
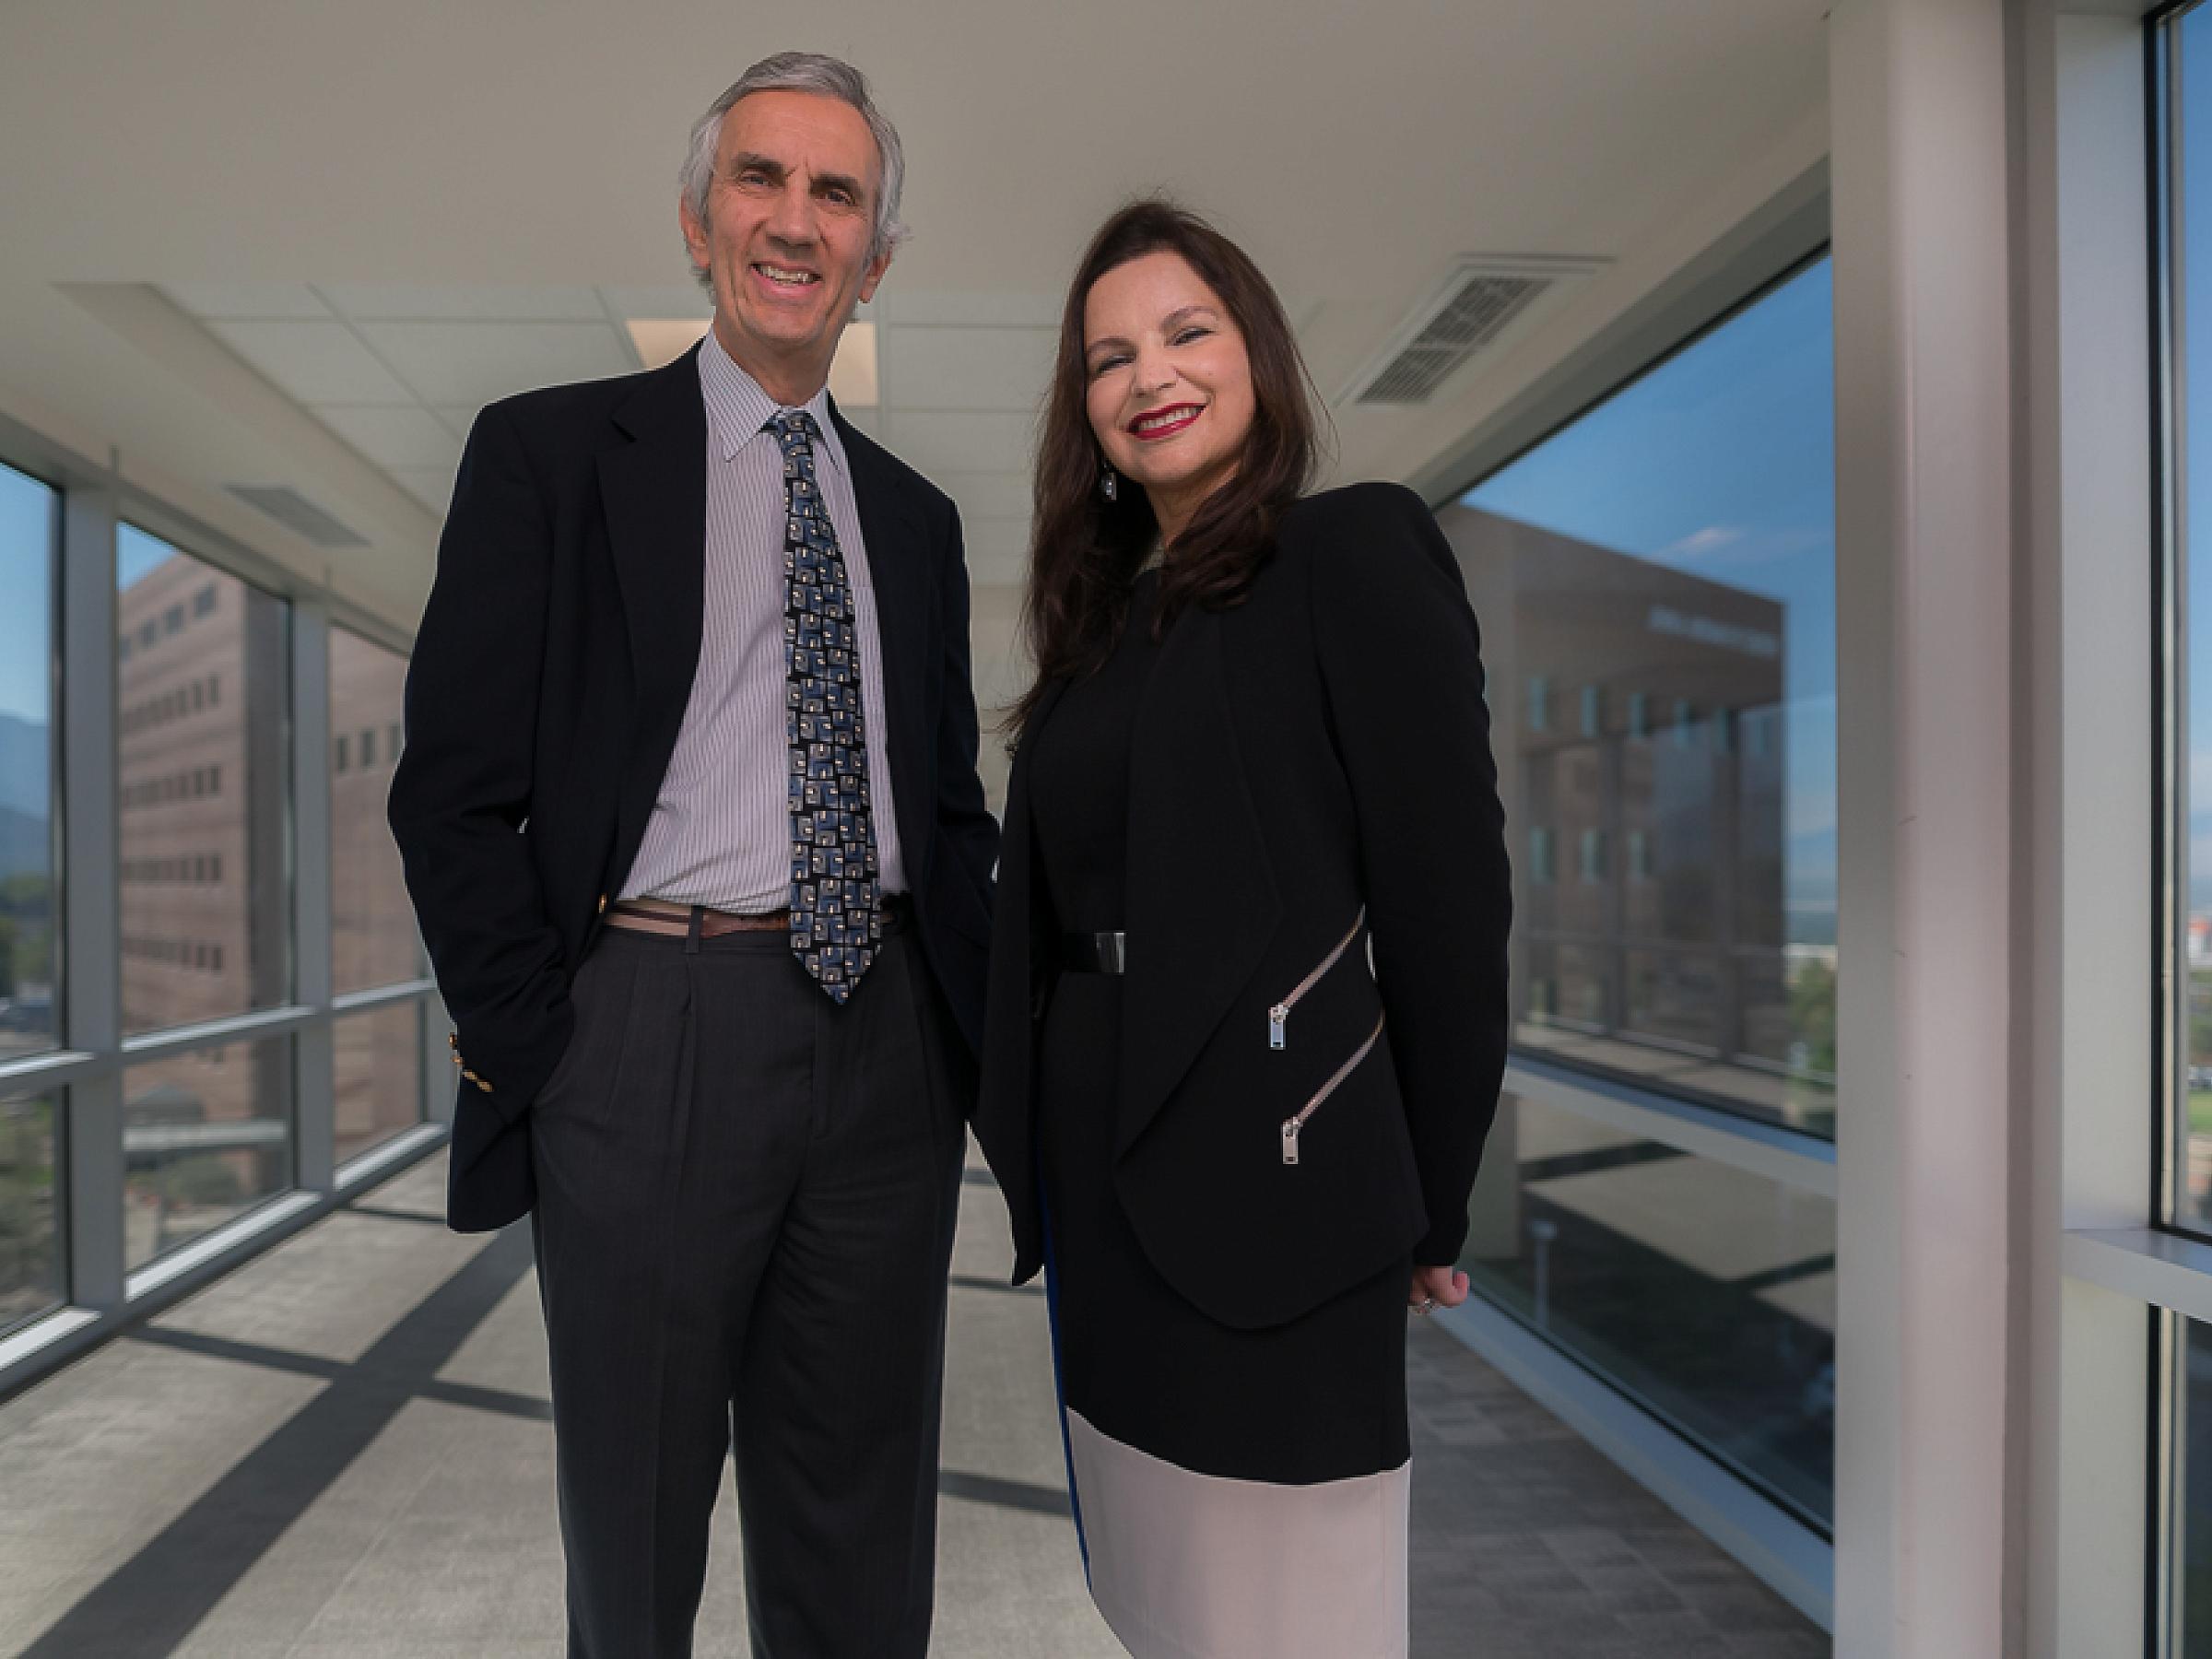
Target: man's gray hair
801, 72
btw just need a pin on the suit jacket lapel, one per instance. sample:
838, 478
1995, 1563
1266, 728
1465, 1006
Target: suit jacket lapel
1202, 902
654, 491
906, 621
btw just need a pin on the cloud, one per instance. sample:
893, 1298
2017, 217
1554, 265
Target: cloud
1727, 547
1711, 539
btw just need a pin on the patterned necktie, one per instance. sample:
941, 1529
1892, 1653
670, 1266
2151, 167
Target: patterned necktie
836, 919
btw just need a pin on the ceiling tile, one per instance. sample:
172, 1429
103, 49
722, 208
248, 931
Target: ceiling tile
998, 549
315, 362
658, 299
986, 495
432, 486
394, 437
476, 302
460, 362
957, 308
960, 442
245, 300
459, 417
934, 368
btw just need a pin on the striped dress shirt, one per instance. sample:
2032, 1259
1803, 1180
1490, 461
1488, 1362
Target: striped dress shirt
720, 834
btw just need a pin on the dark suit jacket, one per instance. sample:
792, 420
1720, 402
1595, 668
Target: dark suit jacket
1322, 747
549, 676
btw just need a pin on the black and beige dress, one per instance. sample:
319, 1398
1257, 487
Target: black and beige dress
1277, 1458
1223, 1163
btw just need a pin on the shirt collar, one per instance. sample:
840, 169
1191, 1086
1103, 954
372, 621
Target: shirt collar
737, 407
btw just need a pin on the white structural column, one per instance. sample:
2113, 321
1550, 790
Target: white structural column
1924, 563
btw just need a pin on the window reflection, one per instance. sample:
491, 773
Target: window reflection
29, 735
379, 1080
30, 1229
203, 700
2192, 299
1655, 583
2190, 1609
1705, 1292
206, 1135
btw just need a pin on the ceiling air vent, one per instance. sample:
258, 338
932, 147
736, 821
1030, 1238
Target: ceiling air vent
298, 514
1481, 298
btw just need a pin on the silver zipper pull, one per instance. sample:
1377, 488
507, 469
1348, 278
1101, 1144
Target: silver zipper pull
1290, 1129
1277, 1017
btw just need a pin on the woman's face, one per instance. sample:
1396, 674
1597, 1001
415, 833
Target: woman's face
1169, 383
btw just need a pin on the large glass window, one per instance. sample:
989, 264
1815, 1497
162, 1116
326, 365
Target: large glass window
1656, 586
378, 1077
1706, 1293
2188, 1599
203, 705
206, 1135
2189, 158
31, 1219
372, 926
29, 649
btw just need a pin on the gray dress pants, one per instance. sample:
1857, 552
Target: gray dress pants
745, 1215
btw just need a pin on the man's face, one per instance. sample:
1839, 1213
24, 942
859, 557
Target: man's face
790, 217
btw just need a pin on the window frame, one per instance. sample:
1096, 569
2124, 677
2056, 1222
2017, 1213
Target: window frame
83, 1073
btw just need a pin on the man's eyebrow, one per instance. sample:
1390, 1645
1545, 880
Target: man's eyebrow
852, 187
745, 161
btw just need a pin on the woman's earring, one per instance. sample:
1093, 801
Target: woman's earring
1110, 484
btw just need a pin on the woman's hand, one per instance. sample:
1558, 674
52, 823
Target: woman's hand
1436, 1287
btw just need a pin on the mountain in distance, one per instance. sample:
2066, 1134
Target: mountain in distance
25, 846
25, 766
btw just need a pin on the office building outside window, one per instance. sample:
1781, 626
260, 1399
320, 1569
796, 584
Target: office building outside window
203, 797
1696, 584
1670, 554
202, 786
374, 943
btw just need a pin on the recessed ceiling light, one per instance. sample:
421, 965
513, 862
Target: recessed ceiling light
853, 372
661, 340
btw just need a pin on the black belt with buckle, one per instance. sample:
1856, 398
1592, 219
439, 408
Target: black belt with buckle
1093, 953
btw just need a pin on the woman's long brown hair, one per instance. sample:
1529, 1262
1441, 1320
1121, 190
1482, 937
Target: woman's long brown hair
1085, 550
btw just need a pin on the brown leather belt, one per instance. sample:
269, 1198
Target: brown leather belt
673, 921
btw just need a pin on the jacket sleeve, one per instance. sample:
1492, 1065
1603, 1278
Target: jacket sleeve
1401, 659
970, 833
462, 786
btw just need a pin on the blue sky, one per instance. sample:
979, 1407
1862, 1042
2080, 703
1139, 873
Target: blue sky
27, 608
25, 596
137, 553
1721, 463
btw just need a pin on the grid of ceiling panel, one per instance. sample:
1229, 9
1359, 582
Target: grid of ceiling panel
399, 372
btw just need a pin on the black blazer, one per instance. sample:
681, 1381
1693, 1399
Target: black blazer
1321, 748
550, 675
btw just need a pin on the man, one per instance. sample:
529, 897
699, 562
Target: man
691, 816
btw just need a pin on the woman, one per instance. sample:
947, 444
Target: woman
1256, 738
